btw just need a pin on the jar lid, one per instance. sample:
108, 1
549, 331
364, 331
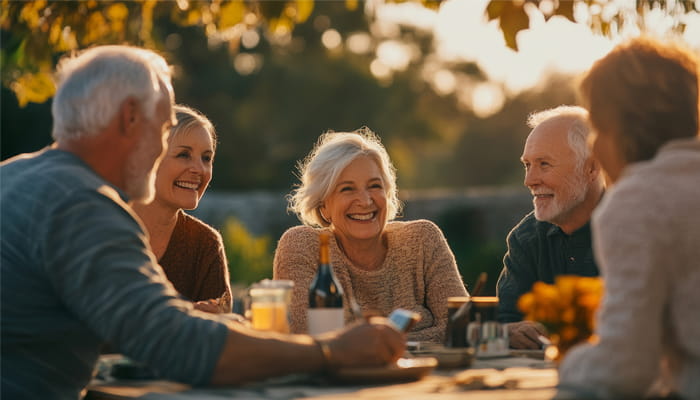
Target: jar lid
273, 284
457, 301
485, 301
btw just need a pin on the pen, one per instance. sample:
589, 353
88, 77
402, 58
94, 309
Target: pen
356, 310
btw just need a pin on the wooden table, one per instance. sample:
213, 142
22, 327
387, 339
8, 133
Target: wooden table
517, 378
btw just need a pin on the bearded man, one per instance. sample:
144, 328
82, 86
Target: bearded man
555, 239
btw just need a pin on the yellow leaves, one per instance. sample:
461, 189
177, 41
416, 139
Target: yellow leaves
95, 28
45, 28
147, 20
432, 4
117, 14
566, 308
34, 87
281, 26
193, 17
100, 24
231, 14
304, 8
31, 13
5, 14
512, 19
56, 35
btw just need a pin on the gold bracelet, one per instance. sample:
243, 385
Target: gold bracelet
325, 352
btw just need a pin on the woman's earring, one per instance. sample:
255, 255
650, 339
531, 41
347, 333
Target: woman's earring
328, 221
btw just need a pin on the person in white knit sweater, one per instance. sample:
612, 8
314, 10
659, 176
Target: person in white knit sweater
348, 187
643, 104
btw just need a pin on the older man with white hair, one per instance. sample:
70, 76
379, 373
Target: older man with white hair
77, 269
566, 184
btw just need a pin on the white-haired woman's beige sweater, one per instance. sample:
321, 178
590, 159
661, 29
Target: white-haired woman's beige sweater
419, 273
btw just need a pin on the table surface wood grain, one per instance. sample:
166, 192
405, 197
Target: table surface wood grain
517, 378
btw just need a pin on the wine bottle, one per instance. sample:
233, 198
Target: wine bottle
325, 295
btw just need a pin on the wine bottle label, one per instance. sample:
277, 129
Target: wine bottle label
322, 320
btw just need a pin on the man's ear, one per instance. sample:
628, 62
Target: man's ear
593, 168
128, 117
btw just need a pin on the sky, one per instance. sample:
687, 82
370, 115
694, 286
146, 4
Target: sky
463, 34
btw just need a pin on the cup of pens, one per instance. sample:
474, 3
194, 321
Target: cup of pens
458, 315
484, 333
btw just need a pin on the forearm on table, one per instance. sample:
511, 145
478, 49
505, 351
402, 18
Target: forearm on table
250, 355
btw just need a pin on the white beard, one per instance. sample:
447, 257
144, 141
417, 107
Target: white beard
570, 196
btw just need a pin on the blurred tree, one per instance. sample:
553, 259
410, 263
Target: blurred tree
40, 29
602, 16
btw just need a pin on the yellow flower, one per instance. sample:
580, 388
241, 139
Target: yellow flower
566, 308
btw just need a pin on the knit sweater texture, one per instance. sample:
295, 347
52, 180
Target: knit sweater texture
195, 262
646, 239
419, 273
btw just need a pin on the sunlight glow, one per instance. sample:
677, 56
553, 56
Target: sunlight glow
246, 63
380, 70
691, 35
396, 55
444, 82
331, 39
487, 99
250, 39
359, 43
462, 34
413, 14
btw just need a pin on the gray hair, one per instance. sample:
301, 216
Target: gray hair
188, 118
577, 135
320, 170
94, 83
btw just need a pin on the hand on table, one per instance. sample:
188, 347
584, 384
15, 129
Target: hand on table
215, 306
524, 335
366, 344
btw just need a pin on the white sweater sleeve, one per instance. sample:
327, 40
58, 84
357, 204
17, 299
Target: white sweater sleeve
628, 244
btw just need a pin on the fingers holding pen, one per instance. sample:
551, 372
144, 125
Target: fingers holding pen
525, 335
368, 344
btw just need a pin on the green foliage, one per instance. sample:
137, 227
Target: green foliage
249, 257
39, 30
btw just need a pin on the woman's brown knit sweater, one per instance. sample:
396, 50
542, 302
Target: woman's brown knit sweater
419, 273
195, 262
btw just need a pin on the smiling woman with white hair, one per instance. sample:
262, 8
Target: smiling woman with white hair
348, 188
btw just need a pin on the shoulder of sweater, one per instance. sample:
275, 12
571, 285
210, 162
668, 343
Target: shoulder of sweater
675, 169
420, 227
300, 234
195, 226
